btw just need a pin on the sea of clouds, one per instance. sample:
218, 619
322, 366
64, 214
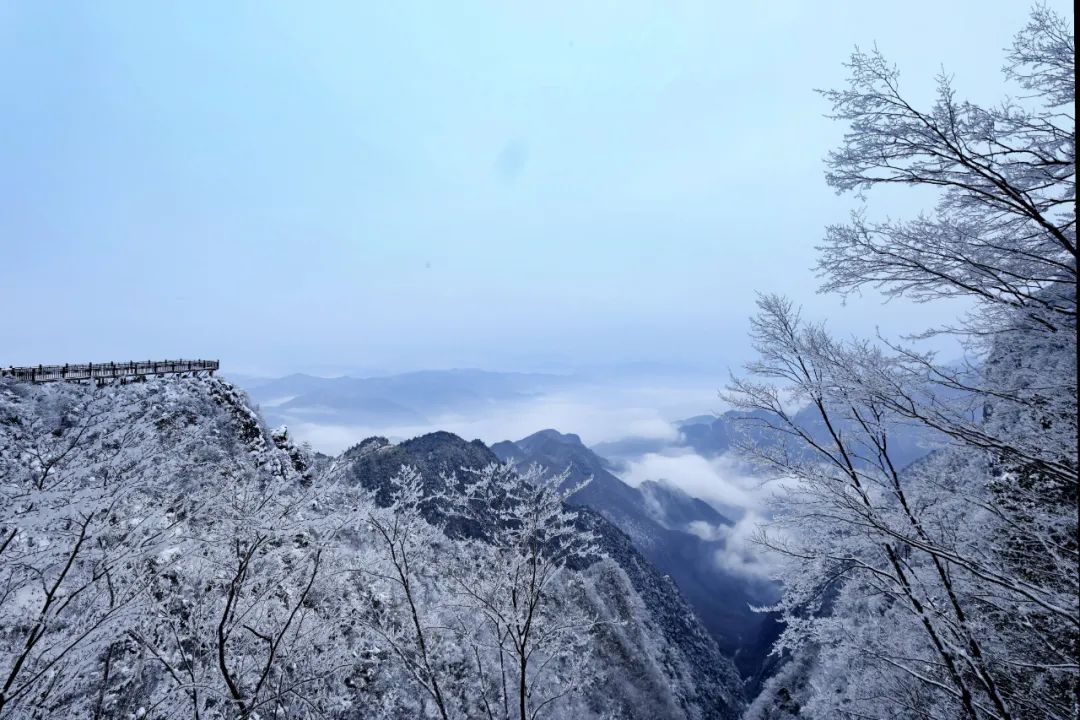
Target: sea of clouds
609, 410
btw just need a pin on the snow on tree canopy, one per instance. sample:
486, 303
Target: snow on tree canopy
162, 553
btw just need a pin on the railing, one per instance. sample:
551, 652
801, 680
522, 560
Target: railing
105, 371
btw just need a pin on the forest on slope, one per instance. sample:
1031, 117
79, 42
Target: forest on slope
164, 554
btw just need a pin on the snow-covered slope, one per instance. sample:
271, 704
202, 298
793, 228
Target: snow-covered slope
162, 552
658, 518
663, 661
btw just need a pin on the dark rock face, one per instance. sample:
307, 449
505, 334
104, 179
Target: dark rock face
654, 519
673, 508
716, 680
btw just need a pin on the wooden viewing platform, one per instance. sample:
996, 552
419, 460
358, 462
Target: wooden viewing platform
108, 371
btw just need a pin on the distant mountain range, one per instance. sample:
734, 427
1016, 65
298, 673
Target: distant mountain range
657, 518
407, 399
417, 399
714, 435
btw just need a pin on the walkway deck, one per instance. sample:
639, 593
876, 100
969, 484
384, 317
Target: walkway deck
108, 371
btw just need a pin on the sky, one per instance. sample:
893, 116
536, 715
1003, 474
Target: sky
380, 187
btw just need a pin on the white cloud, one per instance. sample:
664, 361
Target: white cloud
598, 412
509, 422
734, 492
718, 480
606, 413
329, 439
740, 555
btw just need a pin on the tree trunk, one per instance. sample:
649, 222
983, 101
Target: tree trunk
524, 661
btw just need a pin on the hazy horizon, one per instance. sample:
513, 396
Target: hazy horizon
384, 190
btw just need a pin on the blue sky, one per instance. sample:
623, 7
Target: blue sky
389, 186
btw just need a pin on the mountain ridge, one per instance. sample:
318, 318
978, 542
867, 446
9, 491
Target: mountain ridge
722, 600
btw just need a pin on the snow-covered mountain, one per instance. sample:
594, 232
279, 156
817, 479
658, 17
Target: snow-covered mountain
162, 552
713, 436
659, 519
703, 676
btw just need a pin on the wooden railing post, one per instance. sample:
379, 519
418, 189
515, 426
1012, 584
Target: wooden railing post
105, 371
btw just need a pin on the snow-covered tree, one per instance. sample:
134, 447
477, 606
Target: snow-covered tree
163, 556
83, 524
946, 589
515, 592
484, 621
404, 607
257, 617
